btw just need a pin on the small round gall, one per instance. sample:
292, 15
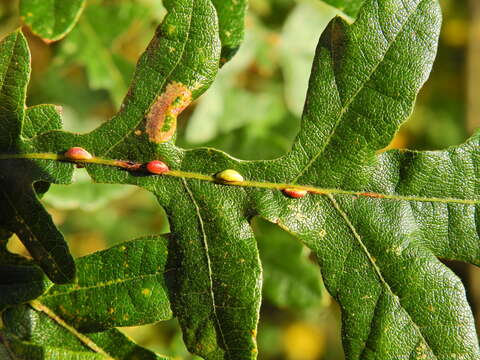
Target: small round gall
229, 176
295, 193
77, 153
157, 167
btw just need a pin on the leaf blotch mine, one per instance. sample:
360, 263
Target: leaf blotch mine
162, 117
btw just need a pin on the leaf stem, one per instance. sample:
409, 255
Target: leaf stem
134, 166
37, 305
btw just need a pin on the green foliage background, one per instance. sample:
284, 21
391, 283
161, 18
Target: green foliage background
88, 72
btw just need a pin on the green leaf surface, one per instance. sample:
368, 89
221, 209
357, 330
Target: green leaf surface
130, 290
51, 19
21, 211
375, 254
21, 281
376, 223
231, 18
32, 335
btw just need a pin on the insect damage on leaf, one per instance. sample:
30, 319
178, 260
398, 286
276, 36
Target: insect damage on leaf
162, 117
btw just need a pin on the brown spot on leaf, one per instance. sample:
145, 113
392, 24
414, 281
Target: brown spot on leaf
162, 117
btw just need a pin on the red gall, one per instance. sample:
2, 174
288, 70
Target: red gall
157, 167
295, 193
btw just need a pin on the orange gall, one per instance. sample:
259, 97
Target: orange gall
295, 193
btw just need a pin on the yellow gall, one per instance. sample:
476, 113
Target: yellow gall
229, 176
77, 153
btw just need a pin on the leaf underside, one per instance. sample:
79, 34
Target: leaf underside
378, 253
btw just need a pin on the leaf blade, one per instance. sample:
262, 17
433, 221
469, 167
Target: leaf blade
32, 335
131, 291
364, 76
176, 55
14, 73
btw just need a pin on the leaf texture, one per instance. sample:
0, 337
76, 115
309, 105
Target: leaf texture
32, 335
377, 223
121, 286
20, 209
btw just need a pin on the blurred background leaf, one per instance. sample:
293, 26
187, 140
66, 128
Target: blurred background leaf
51, 20
290, 279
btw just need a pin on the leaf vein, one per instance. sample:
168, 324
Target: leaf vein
352, 98
209, 264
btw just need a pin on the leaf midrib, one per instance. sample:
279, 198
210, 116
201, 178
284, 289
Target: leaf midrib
258, 184
106, 284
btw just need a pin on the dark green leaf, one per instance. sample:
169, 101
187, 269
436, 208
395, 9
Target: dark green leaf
19, 206
376, 254
51, 19
20, 281
121, 286
40, 119
377, 223
32, 335
14, 74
